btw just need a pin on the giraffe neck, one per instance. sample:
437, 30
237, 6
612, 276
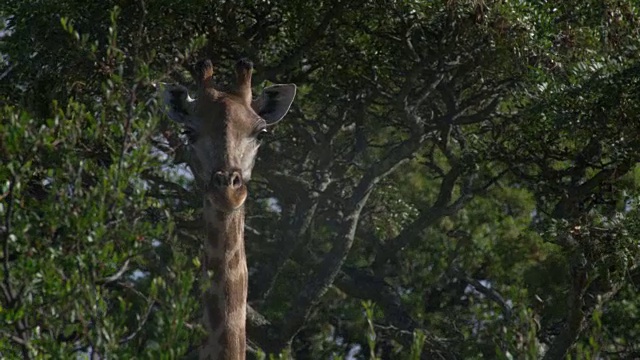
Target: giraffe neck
226, 279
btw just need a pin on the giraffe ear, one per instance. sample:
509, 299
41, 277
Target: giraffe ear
274, 102
177, 103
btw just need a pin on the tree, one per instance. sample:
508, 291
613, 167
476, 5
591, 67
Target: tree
465, 169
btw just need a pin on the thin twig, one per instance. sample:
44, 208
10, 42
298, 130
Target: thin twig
143, 321
116, 276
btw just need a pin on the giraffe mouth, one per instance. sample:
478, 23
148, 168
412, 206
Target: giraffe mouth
228, 199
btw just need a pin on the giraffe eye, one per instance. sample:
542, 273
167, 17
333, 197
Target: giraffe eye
262, 134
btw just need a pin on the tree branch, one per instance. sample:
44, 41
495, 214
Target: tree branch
361, 285
116, 276
325, 273
262, 332
490, 293
427, 218
141, 325
335, 11
566, 208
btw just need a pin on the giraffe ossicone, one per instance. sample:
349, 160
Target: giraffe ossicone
224, 129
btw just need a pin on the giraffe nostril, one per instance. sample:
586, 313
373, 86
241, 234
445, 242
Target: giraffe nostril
235, 180
220, 179
223, 179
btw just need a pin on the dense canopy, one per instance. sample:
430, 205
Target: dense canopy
455, 179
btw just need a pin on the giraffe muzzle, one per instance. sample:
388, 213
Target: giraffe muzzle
227, 190
227, 179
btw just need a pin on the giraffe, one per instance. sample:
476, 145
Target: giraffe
224, 129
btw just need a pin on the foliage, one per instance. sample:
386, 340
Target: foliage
466, 171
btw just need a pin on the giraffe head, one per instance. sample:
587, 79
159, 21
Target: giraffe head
225, 129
